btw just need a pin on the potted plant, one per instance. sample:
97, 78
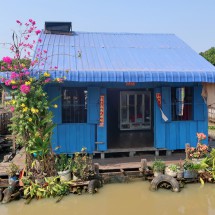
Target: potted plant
191, 169
180, 170
81, 165
171, 170
198, 153
12, 172
63, 166
158, 167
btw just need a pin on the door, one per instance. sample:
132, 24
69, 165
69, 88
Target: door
135, 110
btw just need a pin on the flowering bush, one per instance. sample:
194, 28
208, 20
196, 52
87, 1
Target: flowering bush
32, 122
201, 150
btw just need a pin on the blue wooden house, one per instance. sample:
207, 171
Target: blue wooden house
124, 92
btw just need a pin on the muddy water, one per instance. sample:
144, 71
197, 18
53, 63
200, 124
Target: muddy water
124, 199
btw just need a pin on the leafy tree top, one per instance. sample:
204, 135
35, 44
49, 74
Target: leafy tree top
209, 55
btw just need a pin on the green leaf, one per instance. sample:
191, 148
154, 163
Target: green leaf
201, 181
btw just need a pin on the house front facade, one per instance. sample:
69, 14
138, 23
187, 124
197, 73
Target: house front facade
123, 91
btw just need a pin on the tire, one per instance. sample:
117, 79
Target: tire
93, 186
165, 181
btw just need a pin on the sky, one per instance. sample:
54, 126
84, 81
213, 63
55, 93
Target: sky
191, 20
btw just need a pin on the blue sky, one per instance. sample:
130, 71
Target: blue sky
191, 20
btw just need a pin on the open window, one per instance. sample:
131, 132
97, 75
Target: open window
182, 103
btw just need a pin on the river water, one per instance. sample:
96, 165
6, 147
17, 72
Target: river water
123, 199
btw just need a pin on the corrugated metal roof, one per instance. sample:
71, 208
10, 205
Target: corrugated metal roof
123, 57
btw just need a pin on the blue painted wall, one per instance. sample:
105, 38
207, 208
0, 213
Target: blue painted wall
71, 137
175, 134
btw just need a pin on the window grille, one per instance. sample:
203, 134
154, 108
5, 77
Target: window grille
74, 105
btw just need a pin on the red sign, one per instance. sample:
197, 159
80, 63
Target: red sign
102, 110
130, 84
158, 98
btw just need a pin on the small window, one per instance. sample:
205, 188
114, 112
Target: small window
182, 103
74, 105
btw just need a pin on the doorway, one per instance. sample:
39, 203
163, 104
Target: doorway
129, 118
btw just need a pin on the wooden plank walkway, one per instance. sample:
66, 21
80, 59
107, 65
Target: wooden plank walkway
107, 163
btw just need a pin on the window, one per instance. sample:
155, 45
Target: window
135, 110
74, 105
182, 103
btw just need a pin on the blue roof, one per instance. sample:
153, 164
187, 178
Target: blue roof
123, 57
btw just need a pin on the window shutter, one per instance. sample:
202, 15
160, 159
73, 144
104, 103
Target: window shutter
93, 105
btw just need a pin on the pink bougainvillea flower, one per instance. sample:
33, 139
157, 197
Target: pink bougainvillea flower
14, 75
7, 60
40, 40
30, 20
32, 63
25, 88
12, 109
14, 87
8, 82
45, 51
47, 80
3, 80
17, 21
27, 73
38, 32
21, 74
2, 68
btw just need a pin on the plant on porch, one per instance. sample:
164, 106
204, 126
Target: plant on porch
200, 151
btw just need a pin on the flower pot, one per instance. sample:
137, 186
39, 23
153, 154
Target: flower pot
190, 174
197, 160
170, 172
156, 173
75, 177
65, 175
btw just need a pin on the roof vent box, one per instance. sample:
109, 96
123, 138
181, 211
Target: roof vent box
58, 28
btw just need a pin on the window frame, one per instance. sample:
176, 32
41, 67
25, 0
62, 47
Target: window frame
188, 109
77, 113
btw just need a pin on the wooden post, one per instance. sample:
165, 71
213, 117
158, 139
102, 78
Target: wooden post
156, 152
143, 165
187, 145
96, 168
